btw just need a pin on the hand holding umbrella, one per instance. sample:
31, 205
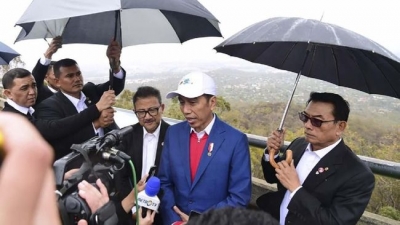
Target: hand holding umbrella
114, 53
274, 143
55, 44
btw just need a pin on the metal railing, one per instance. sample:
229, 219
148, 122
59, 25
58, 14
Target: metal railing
378, 166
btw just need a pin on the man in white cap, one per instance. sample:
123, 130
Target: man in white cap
205, 163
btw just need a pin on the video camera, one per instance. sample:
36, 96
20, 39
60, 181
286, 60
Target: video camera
97, 159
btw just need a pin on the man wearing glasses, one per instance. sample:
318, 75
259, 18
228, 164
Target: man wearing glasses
326, 183
143, 145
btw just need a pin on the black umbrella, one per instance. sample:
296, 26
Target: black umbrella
6, 54
318, 50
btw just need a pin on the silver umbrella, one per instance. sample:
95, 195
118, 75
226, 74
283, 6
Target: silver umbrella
129, 22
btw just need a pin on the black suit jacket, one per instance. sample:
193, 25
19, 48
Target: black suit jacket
132, 144
39, 73
50, 129
9, 108
339, 195
59, 106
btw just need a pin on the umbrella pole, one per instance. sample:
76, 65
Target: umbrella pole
290, 101
112, 61
294, 88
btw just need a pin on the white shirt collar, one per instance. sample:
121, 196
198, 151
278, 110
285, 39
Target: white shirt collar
52, 89
21, 109
74, 100
207, 130
322, 152
156, 133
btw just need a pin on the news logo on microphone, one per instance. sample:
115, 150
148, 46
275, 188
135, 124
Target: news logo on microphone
148, 197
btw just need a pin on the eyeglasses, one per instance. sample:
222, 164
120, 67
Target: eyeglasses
315, 122
150, 111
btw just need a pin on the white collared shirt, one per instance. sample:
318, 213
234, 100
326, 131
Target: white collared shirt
52, 89
21, 109
80, 106
307, 162
150, 142
207, 130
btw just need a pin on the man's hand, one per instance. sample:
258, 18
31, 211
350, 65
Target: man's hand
129, 201
106, 118
69, 173
149, 219
287, 175
275, 141
181, 214
93, 197
114, 54
31, 153
106, 101
55, 44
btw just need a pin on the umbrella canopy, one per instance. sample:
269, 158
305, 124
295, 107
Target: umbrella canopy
317, 50
335, 54
129, 22
6, 54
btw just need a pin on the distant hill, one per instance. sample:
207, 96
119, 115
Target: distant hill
240, 81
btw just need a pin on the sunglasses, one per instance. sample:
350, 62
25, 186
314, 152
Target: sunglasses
315, 122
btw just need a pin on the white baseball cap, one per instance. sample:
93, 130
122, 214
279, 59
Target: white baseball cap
194, 85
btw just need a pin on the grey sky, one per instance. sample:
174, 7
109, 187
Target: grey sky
377, 20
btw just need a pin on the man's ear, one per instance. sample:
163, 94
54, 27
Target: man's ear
213, 102
7, 93
162, 107
342, 126
57, 80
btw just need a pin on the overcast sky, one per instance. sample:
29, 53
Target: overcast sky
377, 20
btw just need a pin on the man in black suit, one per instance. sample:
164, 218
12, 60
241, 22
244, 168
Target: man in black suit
44, 71
20, 89
74, 97
326, 183
143, 145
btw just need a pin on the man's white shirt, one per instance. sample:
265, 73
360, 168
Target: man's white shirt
80, 106
21, 109
150, 142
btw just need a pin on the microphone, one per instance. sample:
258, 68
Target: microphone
147, 199
114, 137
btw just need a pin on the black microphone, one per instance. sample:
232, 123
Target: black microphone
114, 137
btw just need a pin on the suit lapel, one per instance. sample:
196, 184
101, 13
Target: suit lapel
216, 138
184, 140
163, 130
299, 153
137, 150
325, 168
69, 108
